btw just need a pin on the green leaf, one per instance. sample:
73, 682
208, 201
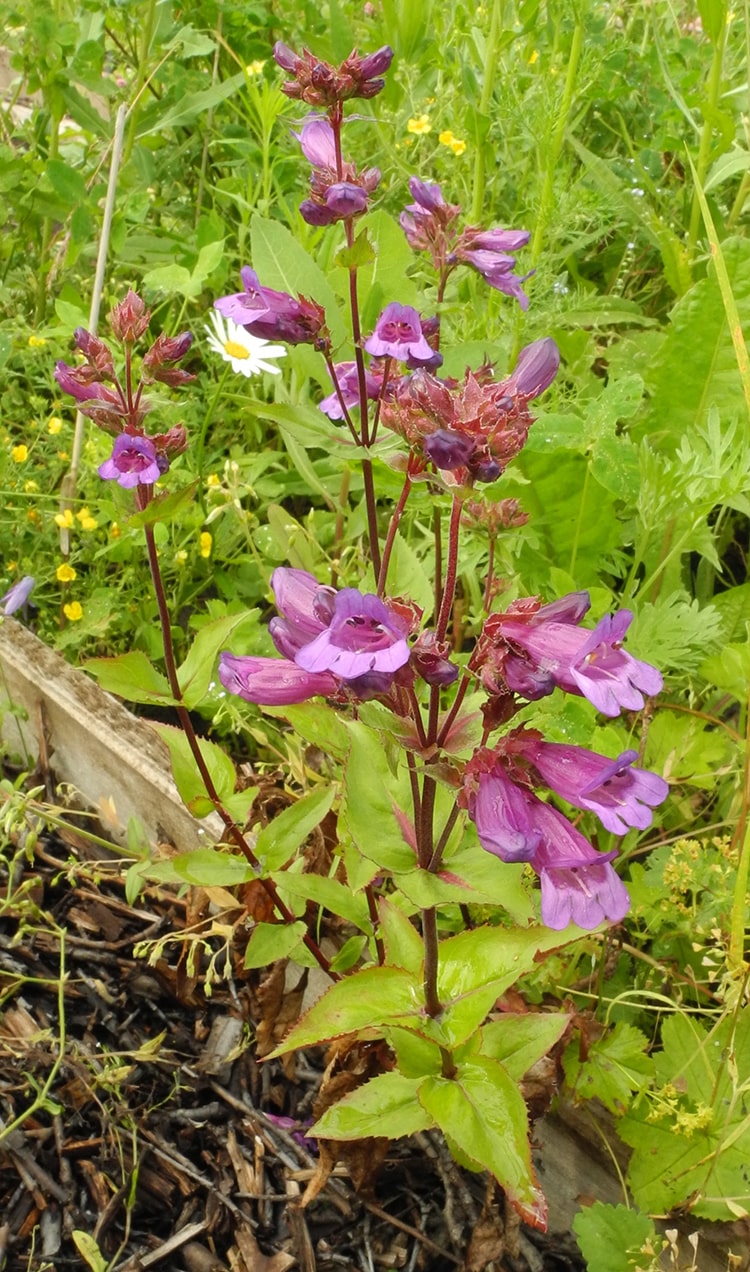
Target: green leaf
386, 1105
477, 966
729, 670
164, 508
209, 867
185, 771
361, 1004
402, 942
67, 182
611, 1238
190, 105
713, 18
318, 725
483, 1113
281, 838
270, 942
416, 1056
360, 253
89, 1250
131, 676
199, 668
616, 1065
696, 366
169, 278
281, 262
691, 1142
369, 813
335, 897
518, 1041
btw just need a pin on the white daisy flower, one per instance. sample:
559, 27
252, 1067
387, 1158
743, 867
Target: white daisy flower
246, 354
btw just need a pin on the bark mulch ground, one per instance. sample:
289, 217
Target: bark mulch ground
139, 1130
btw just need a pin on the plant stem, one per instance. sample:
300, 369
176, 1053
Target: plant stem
186, 724
451, 570
201, 443
391, 535
432, 1003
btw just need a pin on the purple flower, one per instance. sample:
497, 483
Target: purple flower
305, 607
318, 142
17, 596
71, 381
363, 636
327, 639
426, 195
273, 315
342, 200
621, 796
497, 270
498, 240
536, 368
578, 884
592, 664
346, 374
133, 462
272, 682
448, 449
398, 334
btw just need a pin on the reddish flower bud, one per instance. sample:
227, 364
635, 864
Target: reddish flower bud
130, 319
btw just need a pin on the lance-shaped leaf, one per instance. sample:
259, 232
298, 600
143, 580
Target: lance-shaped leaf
361, 1005
131, 676
483, 1113
281, 838
387, 1105
189, 782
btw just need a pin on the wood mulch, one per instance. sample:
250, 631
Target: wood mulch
140, 1130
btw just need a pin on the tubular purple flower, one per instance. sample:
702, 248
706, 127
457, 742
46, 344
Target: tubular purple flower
272, 682
536, 368
428, 195
622, 797
302, 604
273, 315
347, 376
93, 391
398, 334
285, 57
498, 240
377, 63
133, 462
17, 595
591, 664
497, 271
318, 142
448, 449
363, 636
578, 883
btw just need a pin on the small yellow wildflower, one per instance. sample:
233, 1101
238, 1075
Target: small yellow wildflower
32, 515
206, 541
255, 68
37, 342
534, 57
63, 455
453, 143
114, 531
30, 487
20, 454
64, 519
54, 425
180, 557
65, 573
11, 566
213, 479
420, 125
73, 612
87, 521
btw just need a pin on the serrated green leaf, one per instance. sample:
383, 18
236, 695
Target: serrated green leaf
360, 1005
386, 1105
616, 1065
518, 1041
270, 942
360, 253
67, 182
318, 725
416, 1056
281, 838
131, 676
369, 804
187, 778
483, 1112
611, 1237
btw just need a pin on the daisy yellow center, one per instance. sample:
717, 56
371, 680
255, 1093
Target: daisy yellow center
234, 350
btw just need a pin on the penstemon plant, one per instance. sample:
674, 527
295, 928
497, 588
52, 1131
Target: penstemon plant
439, 810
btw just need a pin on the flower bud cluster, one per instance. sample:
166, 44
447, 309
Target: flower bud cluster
137, 459
320, 84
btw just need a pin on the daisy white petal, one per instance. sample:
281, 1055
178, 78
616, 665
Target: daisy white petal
247, 355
